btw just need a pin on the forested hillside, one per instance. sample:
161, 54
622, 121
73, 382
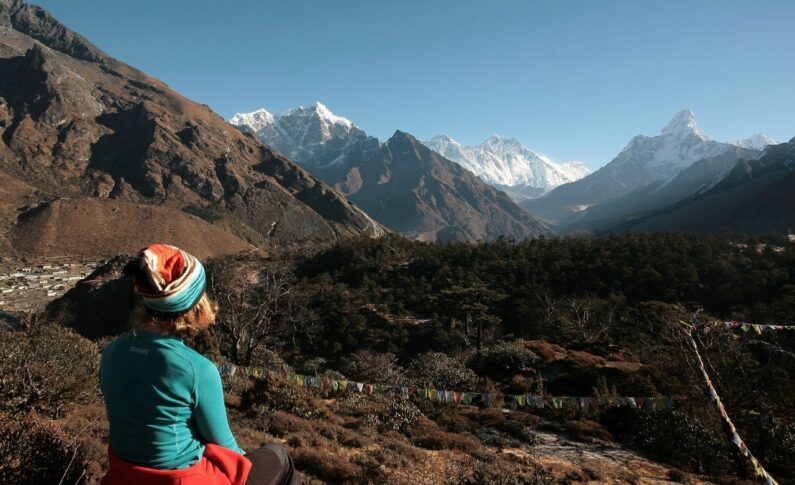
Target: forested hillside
600, 319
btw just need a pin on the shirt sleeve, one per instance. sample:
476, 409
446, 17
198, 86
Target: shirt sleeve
210, 412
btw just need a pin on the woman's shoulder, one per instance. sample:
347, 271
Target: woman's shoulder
201, 363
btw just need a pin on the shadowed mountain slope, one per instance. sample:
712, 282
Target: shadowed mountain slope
412, 189
703, 173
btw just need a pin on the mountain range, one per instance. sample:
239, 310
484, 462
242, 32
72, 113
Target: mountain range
401, 183
507, 164
644, 165
756, 196
611, 214
97, 156
314, 135
86, 135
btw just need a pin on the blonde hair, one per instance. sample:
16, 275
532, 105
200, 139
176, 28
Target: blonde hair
198, 318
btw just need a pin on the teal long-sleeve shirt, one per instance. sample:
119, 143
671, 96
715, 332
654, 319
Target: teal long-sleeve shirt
164, 401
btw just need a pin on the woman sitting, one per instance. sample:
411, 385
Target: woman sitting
165, 401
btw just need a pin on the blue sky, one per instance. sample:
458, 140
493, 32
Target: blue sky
572, 79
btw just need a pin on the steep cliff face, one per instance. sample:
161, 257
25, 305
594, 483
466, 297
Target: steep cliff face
76, 123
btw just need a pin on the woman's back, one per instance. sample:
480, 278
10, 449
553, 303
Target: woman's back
164, 400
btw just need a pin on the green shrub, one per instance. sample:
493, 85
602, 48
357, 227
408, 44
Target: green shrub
265, 358
440, 371
399, 415
375, 368
314, 366
502, 360
383, 412
269, 395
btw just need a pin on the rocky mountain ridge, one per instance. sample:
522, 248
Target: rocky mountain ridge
315, 136
703, 173
309, 135
76, 123
401, 183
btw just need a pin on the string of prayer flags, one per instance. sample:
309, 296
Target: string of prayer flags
759, 470
746, 327
591, 403
451, 397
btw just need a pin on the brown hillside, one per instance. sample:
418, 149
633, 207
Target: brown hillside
99, 227
76, 123
14, 194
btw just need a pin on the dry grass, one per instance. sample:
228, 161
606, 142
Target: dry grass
326, 465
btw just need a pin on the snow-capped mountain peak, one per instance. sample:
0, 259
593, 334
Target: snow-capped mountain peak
683, 125
320, 111
505, 162
301, 133
661, 157
256, 120
756, 142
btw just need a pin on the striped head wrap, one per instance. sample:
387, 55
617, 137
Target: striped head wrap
169, 280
